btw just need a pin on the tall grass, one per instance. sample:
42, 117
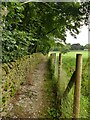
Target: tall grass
68, 67
69, 61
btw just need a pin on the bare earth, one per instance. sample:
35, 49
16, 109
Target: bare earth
31, 100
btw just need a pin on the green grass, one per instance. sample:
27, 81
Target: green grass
73, 53
68, 67
50, 88
69, 62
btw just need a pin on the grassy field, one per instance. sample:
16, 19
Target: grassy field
68, 67
69, 62
73, 53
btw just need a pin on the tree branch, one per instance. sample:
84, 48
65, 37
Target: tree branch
51, 31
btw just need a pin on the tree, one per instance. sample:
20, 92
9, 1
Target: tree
87, 46
42, 19
77, 47
33, 24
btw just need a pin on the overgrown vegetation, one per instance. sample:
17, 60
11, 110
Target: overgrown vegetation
51, 89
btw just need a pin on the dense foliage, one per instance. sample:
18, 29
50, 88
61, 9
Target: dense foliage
80, 47
77, 47
30, 27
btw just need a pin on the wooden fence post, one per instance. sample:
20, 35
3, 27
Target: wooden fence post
55, 65
50, 55
59, 78
76, 106
69, 86
54, 56
59, 66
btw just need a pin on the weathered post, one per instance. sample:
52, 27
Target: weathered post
53, 58
55, 66
76, 106
59, 78
51, 55
59, 72
69, 86
59, 66
54, 55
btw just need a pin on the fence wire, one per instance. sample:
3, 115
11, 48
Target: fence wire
67, 102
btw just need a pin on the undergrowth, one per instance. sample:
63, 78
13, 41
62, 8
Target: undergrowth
51, 89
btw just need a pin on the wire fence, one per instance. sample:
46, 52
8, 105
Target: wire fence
72, 103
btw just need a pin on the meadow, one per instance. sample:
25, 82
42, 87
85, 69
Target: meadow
68, 67
68, 64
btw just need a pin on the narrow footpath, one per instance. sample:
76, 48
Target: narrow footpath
31, 101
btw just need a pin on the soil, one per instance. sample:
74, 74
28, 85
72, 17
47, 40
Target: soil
31, 99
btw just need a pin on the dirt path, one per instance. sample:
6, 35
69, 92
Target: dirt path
31, 99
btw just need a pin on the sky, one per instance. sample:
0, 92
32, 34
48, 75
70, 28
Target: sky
82, 38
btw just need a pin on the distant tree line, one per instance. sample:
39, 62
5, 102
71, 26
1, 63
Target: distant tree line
80, 47
68, 47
